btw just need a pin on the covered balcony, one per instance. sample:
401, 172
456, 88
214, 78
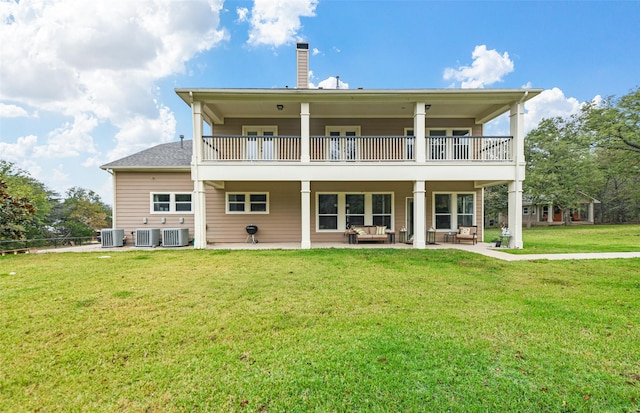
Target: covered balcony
473, 149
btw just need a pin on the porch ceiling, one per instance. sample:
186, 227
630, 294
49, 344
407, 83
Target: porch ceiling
482, 105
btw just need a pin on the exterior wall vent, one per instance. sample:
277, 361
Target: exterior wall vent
175, 237
148, 237
112, 237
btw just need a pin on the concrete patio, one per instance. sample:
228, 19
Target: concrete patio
480, 248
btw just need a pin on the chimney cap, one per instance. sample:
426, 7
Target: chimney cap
302, 45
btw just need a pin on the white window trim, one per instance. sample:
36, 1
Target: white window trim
454, 212
342, 203
247, 203
172, 203
259, 129
342, 129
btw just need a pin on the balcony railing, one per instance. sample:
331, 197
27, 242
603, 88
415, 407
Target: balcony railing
251, 148
358, 148
469, 148
361, 148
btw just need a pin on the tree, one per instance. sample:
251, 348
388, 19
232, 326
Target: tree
43, 200
560, 163
617, 122
496, 203
81, 213
615, 127
15, 214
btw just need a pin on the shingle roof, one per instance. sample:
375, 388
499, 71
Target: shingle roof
173, 154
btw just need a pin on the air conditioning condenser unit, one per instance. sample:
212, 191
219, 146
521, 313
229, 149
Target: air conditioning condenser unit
147, 237
175, 237
111, 237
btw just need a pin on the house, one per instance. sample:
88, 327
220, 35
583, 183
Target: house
537, 213
304, 164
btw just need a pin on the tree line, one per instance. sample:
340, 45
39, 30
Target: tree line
594, 153
30, 210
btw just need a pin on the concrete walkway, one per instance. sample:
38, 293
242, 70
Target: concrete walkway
481, 248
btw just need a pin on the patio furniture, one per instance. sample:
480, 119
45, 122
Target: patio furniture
467, 233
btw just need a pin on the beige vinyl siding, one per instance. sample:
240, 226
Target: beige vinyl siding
281, 224
233, 126
133, 200
369, 127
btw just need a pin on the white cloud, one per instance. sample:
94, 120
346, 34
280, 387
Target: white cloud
243, 14
275, 23
548, 104
315, 51
331, 82
96, 62
23, 148
12, 111
72, 139
488, 67
140, 133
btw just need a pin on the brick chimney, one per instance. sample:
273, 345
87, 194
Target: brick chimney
302, 59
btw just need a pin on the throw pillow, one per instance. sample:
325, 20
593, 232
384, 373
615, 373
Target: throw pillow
465, 231
360, 231
381, 230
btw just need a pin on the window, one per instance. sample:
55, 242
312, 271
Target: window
338, 211
171, 203
247, 203
443, 210
354, 209
442, 207
342, 143
465, 209
381, 209
327, 211
260, 145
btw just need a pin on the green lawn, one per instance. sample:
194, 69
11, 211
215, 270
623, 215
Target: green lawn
341, 330
574, 239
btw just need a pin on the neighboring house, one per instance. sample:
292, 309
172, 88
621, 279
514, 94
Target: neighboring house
304, 164
538, 213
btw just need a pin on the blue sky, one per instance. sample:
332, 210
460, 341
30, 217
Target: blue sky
85, 82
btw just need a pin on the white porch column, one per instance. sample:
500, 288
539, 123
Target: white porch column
590, 213
516, 126
515, 213
304, 133
199, 215
305, 210
419, 124
199, 201
419, 215
550, 213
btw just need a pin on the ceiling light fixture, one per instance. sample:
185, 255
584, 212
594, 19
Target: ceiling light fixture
280, 107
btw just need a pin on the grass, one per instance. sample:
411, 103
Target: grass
369, 330
574, 239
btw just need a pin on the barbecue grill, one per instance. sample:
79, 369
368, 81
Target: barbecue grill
251, 231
